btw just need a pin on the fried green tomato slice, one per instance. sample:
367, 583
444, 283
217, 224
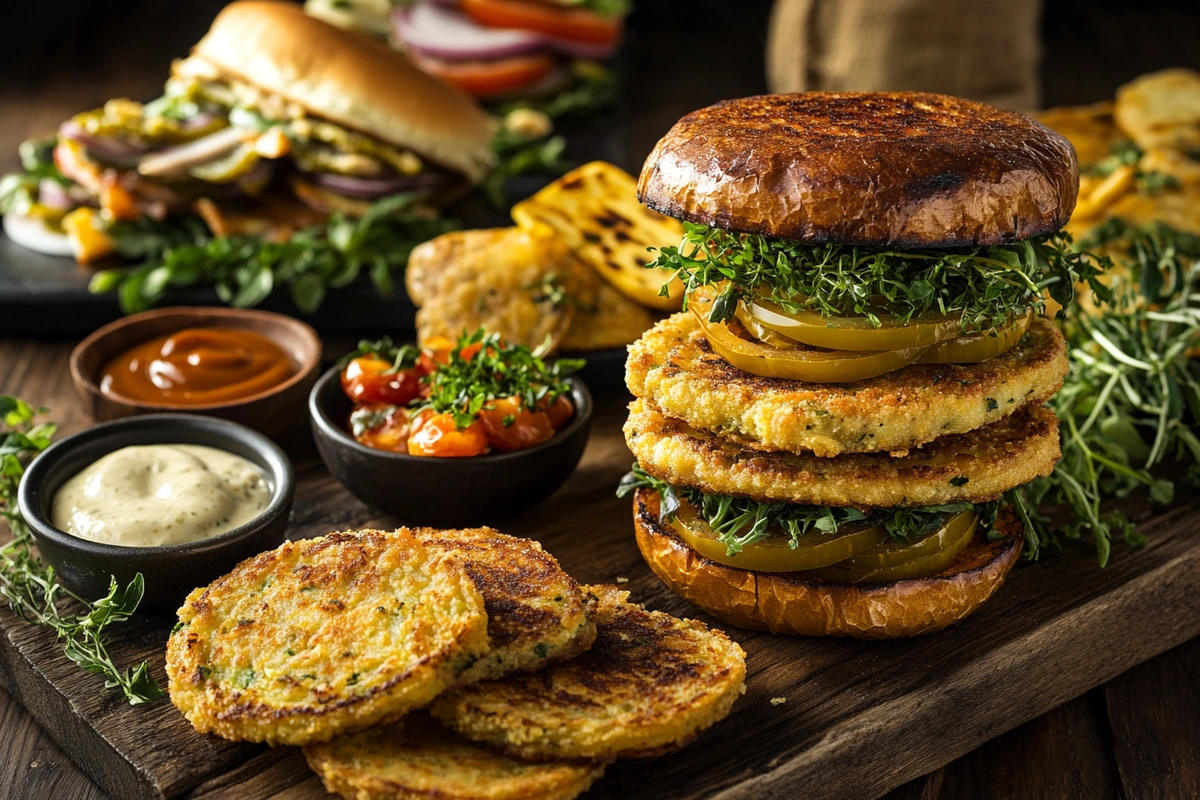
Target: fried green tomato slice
674, 368
650, 683
324, 636
537, 614
970, 467
418, 759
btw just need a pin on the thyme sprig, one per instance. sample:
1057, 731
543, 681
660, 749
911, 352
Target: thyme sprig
30, 586
986, 286
740, 521
490, 370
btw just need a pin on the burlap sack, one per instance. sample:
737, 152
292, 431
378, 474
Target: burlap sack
981, 49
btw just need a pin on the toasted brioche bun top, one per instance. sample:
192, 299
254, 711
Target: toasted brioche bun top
350, 79
884, 169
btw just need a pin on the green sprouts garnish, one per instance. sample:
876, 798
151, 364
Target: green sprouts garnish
986, 287
740, 521
495, 371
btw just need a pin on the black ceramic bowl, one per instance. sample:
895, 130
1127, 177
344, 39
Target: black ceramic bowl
445, 492
169, 571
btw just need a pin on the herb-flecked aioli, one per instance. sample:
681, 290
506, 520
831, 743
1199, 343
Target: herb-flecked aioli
152, 495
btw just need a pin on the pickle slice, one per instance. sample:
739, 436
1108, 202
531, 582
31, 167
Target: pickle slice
800, 364
977, 347
227, 168
853, 333
775, 553
897, 561
763, 333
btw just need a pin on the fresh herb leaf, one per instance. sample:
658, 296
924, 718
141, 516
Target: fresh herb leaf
30, 586
245, 270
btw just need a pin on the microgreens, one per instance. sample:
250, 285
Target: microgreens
740, 521
986, 286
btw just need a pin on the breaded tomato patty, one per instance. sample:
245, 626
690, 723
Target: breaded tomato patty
674, 368
970, 467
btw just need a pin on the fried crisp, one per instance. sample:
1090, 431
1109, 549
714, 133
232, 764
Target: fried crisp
417, 759
537, 614
674, 368
1161, 109
595, 210
650, 683
507, 280
612, 320
1090, 129
970, 467
324, 636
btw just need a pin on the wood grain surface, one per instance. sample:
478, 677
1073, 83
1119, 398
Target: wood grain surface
1135, 736
859, 720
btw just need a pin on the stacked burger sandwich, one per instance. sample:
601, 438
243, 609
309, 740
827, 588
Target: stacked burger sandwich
826, 435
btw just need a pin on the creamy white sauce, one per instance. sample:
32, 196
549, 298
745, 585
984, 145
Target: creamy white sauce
161, 494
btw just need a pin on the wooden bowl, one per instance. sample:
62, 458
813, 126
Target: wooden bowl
276, 411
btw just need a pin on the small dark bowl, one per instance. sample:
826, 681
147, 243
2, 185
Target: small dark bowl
275, 411
445, 492
170, 571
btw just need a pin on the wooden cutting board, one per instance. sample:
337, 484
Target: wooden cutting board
859, 718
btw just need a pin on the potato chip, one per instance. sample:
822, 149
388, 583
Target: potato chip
1161, 109
611, 320
1090, 129
596, 212
521, 284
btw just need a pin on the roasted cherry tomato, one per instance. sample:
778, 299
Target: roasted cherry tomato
382, 427
488, 78
369, 380
510, 426
561, 411
437, 435
566, 23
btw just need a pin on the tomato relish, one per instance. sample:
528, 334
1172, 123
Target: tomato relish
456, 399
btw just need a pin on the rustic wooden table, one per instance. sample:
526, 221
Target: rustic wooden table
1136, 736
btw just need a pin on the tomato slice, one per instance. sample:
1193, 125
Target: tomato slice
510, 426
438, 435
488, 78
565, 23
898, 561
369, 380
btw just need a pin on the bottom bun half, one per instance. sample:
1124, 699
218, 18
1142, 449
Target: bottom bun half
790, 603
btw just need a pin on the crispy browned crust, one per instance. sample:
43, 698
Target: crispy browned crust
894, 168
788, 603
970, 467
650, 683
674, 367
537, 614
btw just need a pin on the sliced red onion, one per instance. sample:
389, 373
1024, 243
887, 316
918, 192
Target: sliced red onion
107, 148
376, 187
434, 30
53, 194
175, 160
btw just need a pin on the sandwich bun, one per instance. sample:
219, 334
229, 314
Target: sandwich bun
349, 79
790, 603
876, 169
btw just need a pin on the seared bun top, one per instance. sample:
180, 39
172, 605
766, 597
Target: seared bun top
350, 79
883, 169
